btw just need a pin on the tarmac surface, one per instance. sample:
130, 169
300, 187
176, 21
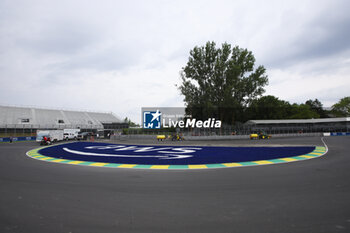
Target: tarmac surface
304, 196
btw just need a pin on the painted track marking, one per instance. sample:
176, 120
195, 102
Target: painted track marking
317, 152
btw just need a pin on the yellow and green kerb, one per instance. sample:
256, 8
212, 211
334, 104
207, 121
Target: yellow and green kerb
317, 152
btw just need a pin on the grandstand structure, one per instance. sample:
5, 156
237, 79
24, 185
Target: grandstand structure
27, 120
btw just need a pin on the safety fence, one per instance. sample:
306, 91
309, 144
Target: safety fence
31, 130
14, 139
239, 130
219, 137
26, 130
188, 137
337, 134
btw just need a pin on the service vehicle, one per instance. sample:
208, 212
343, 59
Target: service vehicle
86, 136
161, 137
69, 134
260, 135
45, 141
83, 135
53, 135
263, 135
177, 137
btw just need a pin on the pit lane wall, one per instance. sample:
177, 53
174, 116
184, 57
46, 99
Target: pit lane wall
336, 134
15, 139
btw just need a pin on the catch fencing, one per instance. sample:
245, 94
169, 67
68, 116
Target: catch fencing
240, 130
28, 130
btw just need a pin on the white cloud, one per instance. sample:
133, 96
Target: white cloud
326, 79
119, 56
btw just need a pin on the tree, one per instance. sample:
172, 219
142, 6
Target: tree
302, 111
342, 108
221, 82
268, 107
317, 107
131, 124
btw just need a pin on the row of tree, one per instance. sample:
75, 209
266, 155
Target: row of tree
224, 83
270, 107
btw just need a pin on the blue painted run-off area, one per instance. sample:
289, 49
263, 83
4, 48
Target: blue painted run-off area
14, 139
168, 155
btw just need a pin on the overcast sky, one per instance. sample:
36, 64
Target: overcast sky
119, 56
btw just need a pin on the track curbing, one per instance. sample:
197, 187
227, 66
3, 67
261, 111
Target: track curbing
317, 152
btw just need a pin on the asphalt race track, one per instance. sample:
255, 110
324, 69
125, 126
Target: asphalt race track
305, 196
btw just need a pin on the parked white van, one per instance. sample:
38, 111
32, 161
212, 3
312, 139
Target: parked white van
69, 134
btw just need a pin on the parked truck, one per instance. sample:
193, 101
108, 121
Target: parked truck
53, 135
69, 134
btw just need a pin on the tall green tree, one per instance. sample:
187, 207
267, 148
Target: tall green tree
302, 111
317, 107
268, 107
342, 108
221, 82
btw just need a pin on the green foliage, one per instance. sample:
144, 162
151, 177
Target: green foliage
125, 131
342, 108
221, 82
131, 124
317, 107
302, 111
268, 107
